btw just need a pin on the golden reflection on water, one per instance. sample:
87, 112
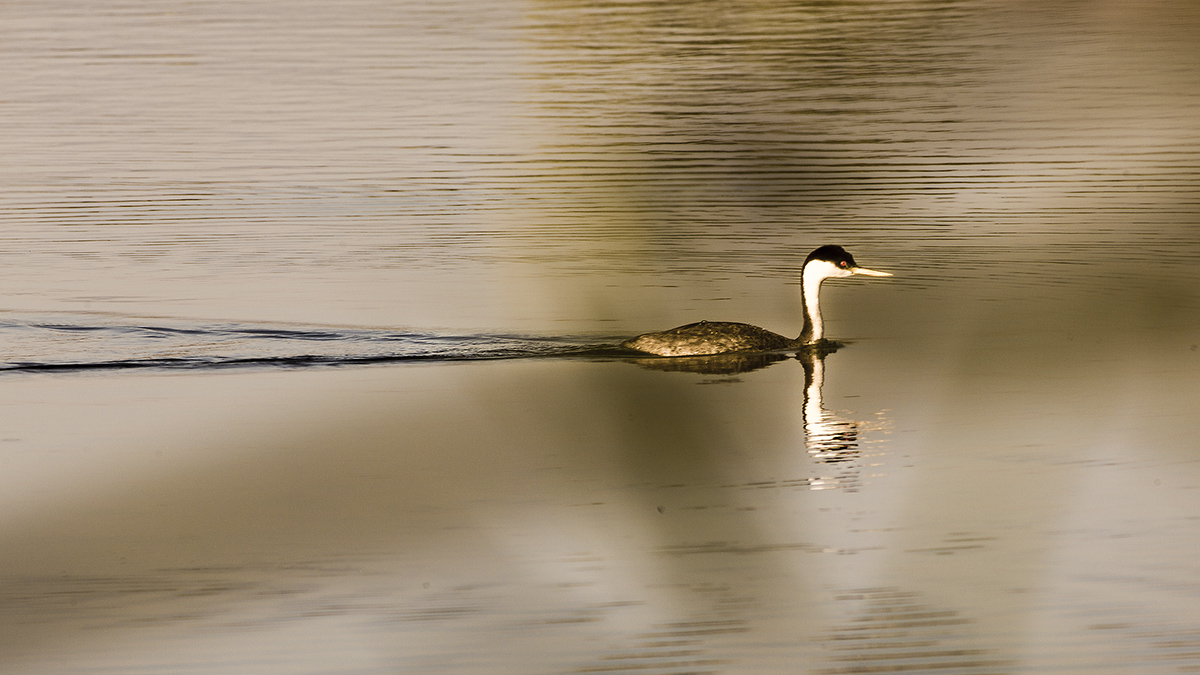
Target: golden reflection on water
564, 516
577, 508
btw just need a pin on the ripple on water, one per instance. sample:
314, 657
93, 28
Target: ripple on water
79, 343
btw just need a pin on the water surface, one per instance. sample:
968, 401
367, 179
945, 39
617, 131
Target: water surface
301, 301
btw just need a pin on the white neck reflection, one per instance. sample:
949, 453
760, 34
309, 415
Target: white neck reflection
830, 439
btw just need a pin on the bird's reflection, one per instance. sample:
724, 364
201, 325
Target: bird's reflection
715, 364
829, 438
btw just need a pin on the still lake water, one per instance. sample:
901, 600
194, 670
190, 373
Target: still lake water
301, 300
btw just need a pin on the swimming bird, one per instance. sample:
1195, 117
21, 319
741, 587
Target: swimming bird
720, 337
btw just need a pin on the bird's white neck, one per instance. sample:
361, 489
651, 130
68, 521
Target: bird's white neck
814, 273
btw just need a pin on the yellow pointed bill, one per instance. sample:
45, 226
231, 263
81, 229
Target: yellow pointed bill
870, 273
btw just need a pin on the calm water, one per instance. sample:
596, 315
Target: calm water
301, 306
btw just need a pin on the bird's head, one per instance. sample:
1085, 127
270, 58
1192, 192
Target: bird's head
832, 261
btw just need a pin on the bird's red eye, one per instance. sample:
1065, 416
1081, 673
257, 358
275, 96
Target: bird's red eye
842, 263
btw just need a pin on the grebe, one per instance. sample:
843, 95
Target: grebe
720, 337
